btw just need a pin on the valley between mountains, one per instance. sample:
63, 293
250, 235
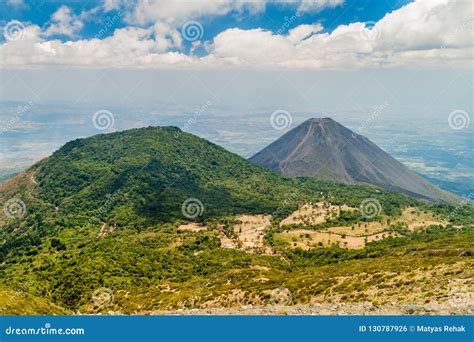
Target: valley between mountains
159, 221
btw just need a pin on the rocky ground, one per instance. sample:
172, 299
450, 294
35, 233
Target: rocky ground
328, 309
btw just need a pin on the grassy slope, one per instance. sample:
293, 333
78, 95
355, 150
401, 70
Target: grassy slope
23, 303
149, 271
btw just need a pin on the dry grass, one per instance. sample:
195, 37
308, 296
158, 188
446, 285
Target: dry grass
355, 236
361, 229
191, 227
249, 233
313, 214
22, 303
416, 219
227, 242
251, 230
306, 239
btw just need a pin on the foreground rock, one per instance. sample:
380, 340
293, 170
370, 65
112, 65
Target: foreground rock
327, 309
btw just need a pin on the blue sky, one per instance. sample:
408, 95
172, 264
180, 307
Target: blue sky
296, 34
271, 17
40, 11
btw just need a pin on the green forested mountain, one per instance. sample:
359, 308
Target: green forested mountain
106, 211
153, 170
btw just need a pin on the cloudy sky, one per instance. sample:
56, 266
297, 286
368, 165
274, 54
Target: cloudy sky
306, 34
307, 55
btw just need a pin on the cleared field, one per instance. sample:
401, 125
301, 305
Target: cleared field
416, 219
251, 231
191, 227
247, 233
360, 229
313, 214
354, 236
306, 239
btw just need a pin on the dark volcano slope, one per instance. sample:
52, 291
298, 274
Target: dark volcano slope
324, 149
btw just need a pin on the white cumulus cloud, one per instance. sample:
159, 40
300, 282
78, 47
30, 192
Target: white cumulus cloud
316, 5
63, 22
425, 33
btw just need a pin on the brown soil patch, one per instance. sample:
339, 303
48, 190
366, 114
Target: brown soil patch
306, 239
191, 227
313, 214
249, 234
104, 230
226, 242
251, 230
355, 236
416, 219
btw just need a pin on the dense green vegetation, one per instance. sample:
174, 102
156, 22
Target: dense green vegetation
155, 170
138, 266
135, 182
